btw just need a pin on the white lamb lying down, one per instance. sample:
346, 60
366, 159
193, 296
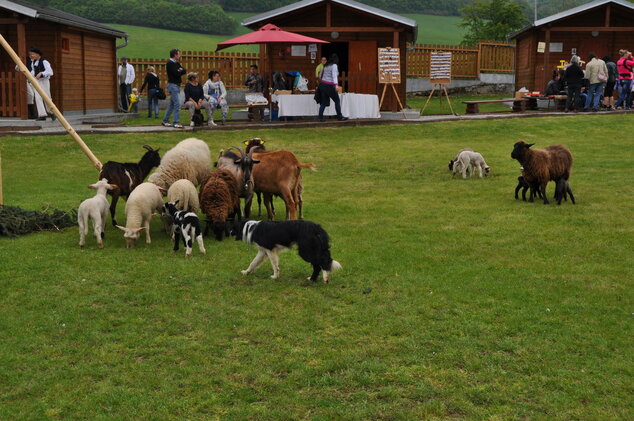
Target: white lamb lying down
145, 199
95, 208
468, 160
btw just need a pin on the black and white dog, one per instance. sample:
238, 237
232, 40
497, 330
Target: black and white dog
272, 237
186, 224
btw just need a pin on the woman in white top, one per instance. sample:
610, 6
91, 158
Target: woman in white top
216, 94
328, 88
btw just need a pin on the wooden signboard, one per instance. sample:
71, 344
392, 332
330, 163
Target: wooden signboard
440, 68
389, 65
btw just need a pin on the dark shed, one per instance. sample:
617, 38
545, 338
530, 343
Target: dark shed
355, 32
82, 54
602, 26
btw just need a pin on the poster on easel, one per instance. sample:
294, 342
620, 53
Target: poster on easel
389, 65
440, 67
439, 76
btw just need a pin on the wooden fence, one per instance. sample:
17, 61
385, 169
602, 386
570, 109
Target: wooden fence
10, 88
466, 62
233, 67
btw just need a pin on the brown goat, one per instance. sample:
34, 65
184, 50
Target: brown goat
220, 201
278, 174
540, 166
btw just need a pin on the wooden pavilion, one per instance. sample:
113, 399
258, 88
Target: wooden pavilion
601, 26
355, 32
81, 52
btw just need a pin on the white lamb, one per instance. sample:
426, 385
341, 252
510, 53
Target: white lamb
95, 208
189, 159
184, 194
467, 159
143, 201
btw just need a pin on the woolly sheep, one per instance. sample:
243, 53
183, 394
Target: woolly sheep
470, 159
95, 208
186, 194
220, 200
189, 159
143, 200
540, 166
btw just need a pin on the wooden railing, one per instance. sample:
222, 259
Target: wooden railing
466, 62
233, 67
9, 91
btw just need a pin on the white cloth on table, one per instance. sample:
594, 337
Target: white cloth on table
353, 106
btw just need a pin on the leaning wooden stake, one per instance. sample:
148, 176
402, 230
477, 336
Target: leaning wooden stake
50, 103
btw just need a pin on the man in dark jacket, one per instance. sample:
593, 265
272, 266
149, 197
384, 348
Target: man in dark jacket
573, 75
174, 79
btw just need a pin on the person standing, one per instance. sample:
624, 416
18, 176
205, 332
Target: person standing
216, 94
328, 88
597, 75
320, 67
153, 84
624, 67
42, 71
126, 77
573, 76
254, 80
175, 73
608, 91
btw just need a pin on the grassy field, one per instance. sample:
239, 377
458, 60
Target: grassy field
156, 43
455, 300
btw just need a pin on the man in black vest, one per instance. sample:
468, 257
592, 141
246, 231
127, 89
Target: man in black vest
42, 71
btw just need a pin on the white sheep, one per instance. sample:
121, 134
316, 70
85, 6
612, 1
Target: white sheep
189, 159
143, 201
469, 159
95, 208
184, 194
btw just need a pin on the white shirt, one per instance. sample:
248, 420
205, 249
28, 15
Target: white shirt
330, 74
129, 76
48, 70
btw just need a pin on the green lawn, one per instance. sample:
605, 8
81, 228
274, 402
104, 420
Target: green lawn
455, 300
156, 43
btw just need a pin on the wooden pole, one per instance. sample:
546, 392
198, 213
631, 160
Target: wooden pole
50, 103
431, 94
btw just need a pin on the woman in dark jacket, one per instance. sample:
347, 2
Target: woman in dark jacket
153, 84
573, 75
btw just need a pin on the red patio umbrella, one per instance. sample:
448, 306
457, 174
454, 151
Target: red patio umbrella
268, 34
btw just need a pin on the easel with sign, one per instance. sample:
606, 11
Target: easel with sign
390, 72
439, 75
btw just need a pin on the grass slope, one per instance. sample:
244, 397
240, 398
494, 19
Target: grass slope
156, 43
455, 301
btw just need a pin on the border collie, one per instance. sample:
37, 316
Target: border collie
272, 237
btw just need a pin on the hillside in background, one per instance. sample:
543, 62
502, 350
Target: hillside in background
156, 43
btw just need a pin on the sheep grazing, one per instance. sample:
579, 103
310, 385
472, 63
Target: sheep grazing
186, 224
143, 201
189, 159
95, 208
456, 158
278, 174
523, 184
241, 166
184, 192
220, 201
562, 190
470, 159
540, 166
126, 176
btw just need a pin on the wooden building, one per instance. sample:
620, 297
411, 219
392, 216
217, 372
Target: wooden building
602, 26
82, 54
355, 32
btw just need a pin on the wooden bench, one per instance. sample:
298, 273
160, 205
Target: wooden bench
518, 104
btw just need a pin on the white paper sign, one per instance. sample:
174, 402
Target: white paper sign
312, 48
298, 50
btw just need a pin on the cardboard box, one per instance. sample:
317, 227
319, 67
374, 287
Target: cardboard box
520, 95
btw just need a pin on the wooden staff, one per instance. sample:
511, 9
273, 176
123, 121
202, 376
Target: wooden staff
50, 103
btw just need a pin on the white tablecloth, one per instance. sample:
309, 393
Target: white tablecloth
352, 106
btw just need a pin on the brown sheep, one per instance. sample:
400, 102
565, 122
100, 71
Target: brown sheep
220, 201
553, 163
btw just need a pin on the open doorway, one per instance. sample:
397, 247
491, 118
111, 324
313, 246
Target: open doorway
339, 48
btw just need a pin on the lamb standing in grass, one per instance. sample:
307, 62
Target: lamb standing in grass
187, 225
189, 159
95, 208
469, 159
184, 194
143, 200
